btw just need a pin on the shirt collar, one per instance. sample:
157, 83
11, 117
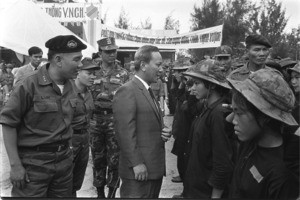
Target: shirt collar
144, 83
43, 75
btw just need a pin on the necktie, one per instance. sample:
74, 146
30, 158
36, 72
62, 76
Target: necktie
35, 68
153, 98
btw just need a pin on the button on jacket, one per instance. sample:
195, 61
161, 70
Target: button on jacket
41, 114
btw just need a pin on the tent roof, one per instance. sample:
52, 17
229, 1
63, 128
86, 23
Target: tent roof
24, 24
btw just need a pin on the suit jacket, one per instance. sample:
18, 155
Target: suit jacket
138, 125
23, 72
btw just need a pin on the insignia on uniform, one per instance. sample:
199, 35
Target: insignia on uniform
256, 175
109, 41
72, 44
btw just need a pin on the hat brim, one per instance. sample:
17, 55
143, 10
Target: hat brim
91, 67
110, 47
251, 92
207, 78
290, 70
219, 55
181, 68
287, 63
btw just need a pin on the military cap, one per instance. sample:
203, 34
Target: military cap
223, 50
207, 70
182, 64
268, 92
257, 39
9, 66
296, 68
273, 64
286, 62
65, 44
108, 43
87, 63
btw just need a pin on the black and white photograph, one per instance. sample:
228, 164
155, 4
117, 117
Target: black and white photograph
182, 99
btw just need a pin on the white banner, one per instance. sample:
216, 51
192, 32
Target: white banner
205, 38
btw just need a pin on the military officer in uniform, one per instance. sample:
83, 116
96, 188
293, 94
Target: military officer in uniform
257, 51
223, 58
104, 147
36, 123
81, 121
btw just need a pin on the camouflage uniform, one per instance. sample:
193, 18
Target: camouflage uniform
104, 147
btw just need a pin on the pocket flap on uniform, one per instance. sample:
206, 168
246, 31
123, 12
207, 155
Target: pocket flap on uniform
73, 103
45, 106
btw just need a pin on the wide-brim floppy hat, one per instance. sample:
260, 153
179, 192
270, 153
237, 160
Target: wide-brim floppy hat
268, 92
207, 70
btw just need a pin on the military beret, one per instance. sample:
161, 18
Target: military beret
223, 50
65, 44
257, 39
87, 63
107, 44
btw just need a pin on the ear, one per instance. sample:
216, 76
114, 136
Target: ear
57, 60
143, 66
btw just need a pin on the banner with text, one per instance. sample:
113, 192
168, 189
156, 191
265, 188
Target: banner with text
70, 12
205, 38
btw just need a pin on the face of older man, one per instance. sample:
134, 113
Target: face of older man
258, 54
70, 63
152, 68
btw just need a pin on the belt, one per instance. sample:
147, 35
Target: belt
47, 148
80, 131
103, 112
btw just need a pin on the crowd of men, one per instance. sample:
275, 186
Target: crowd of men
236, 128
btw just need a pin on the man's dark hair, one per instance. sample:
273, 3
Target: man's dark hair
34, 50
144, 54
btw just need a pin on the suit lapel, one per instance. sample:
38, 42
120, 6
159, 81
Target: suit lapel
148, 97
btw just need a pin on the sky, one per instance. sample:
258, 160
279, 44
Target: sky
158, 10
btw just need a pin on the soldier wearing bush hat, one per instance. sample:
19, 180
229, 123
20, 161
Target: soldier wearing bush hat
268, 165
295, 82
36, 123
208, 130
257, 47
104, 146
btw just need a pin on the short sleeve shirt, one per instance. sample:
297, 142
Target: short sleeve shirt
105, 86
39, 111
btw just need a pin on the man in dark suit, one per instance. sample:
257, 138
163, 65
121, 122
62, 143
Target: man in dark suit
139, 124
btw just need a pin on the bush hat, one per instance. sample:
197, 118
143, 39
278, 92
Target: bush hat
207, 70
268, 92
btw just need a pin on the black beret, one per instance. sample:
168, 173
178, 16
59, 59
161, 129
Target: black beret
65, 44
107, 44
257, 39
87, 63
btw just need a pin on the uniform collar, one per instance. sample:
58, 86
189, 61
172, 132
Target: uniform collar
43, 75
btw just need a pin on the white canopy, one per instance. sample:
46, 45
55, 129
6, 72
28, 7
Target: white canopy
24, 24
